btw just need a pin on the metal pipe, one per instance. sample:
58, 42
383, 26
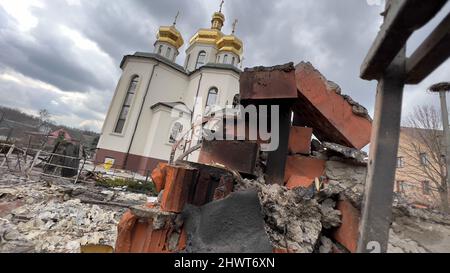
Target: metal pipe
445, 124
376, 215
193, 111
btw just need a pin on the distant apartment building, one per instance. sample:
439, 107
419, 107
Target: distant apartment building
420, 164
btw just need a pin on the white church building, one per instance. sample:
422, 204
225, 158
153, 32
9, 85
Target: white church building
155, 97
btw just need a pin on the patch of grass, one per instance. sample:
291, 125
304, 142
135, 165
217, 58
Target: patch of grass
131, 185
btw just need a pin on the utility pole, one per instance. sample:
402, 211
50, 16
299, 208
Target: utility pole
442, 88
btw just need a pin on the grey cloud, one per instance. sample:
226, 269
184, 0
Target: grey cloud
334, 35
32, 99
45, 55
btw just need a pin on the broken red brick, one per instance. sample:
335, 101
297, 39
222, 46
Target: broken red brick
348, 233
331, 115
124, 232
301, 171
140, 233
300, 140
182, 242
267, 83
178, 183
136, 235
159, 176
157, 241
296, 181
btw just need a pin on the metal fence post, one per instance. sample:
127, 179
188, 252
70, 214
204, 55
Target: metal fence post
377, 204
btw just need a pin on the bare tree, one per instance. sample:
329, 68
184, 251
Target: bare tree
427, 149
44, 121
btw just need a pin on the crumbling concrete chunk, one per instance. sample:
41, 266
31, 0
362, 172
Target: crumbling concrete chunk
292, 223
347, 152
266, 83
159, 218
357, 108
345, 180
330, 216
326, 245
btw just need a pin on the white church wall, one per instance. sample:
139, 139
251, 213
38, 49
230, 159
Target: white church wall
227, 83
167, 85
160, 145
193, 51
226, 57
166, 50
120, 141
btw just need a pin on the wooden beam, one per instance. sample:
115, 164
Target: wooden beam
430, 54
377, 204
402, 18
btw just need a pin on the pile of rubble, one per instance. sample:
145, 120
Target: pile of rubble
304, 197
57, 216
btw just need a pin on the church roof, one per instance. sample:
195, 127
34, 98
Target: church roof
154, 56
172, 105
176, 66
220, 66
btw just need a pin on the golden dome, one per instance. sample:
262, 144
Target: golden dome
170, 35
218, 19
210, 35
214, 35
206, 36
230, 43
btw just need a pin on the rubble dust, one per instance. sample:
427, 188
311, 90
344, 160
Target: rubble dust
292, 222
48, 218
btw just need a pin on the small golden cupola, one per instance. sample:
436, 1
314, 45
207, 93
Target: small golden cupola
230, 48
213, 34
168, 41
210, 45
218, 19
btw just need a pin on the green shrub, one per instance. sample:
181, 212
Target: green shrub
131, 185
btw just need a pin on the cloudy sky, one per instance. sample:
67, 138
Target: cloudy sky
64, 55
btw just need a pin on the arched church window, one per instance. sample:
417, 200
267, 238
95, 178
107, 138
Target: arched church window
126, 105
169, 50
160, 49
236, 100
225, 59
200, 59
212, 97
175, 132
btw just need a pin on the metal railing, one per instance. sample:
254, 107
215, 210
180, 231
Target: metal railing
37, 162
